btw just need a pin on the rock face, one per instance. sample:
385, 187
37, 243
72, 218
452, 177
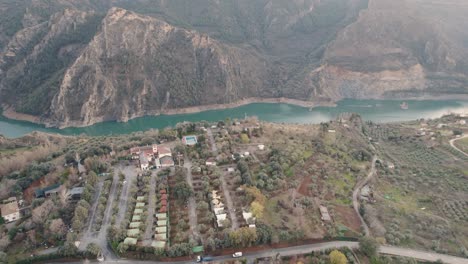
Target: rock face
138, 65
76, 63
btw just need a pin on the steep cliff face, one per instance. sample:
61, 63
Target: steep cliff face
73, 62
137, 65
33, 62
399, 48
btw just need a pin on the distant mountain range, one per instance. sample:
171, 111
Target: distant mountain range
78, 62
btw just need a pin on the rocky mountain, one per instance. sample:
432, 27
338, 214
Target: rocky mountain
74, 62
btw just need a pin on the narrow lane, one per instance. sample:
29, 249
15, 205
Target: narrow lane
130, 174
452, 143
192, 205
356, 191
151, 210
106, 223
225, 189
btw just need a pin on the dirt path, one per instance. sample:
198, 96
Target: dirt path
227, 195
130, 174
356, 191
192, 205
151, 210
229, 203
452, 143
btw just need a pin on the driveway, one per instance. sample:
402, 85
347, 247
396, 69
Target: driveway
130, 174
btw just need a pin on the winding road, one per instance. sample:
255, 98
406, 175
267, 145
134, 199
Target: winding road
452, 143
356, 191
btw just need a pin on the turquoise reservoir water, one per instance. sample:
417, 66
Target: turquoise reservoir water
374, 110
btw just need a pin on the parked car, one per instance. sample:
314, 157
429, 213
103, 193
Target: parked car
237, 255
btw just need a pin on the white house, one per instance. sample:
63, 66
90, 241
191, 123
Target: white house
210, 162
261, 147
10, 211
144, 163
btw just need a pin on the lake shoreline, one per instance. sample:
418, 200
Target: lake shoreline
9, 113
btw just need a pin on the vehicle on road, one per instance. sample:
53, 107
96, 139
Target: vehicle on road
237, 255
204, 258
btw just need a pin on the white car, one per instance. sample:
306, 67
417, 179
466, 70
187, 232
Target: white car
237, 255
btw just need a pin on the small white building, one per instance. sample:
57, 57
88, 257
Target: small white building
230, 169
210, 162
144, 163
10, 211
261, 147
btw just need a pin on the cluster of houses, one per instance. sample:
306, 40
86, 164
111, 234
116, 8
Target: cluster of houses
161, 229
218, 208
159, 156
10, 210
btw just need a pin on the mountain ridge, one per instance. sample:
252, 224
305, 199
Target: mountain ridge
73, 65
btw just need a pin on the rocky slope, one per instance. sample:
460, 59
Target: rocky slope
137, 65
79, 62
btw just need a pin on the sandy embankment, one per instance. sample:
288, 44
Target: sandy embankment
10, 113
242, 102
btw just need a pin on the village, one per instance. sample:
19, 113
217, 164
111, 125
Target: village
202, 188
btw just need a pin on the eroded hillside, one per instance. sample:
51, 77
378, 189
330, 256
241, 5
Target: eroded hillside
77, 63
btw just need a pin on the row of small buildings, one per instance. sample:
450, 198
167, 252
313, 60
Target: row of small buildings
161, 230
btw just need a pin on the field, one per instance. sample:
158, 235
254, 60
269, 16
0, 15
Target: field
421, 202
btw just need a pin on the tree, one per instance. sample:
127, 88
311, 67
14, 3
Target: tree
3, 257
244, 236
182, 191
93, 249
336, 257
368, 246
58, 228
122, 248
12, 233
245, 138
257, 209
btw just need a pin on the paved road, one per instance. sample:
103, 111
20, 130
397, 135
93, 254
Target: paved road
147, 237
130, 174
192, 205
356, 191
304, 249
452, 143
106, 222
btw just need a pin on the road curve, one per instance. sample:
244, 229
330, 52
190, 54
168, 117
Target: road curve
452, 143
357, 188
305, 249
